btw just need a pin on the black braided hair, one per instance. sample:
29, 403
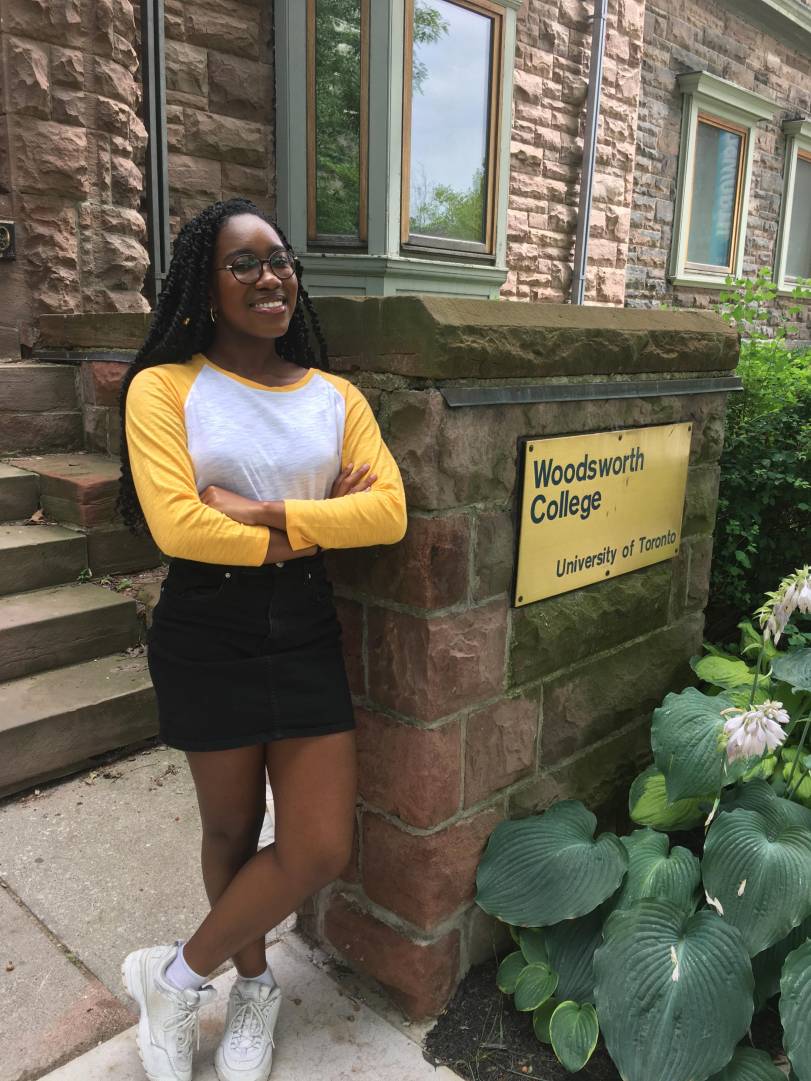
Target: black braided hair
181, 324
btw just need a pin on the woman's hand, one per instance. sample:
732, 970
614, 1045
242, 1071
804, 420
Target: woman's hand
349, 483
241, 509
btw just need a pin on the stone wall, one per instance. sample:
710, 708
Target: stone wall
470, 710
551, 78
71, 146
688, 35
219, 103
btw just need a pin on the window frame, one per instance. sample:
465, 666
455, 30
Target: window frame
418, 243
798, 145
335, 240
708, 98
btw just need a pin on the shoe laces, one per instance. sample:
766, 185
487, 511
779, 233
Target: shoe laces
186, 1027
250, 1023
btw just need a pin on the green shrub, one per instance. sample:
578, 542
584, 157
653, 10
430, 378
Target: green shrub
764, 505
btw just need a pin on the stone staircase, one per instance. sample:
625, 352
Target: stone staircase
73, 682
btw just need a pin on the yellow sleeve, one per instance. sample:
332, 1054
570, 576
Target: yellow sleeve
180, 523
377, 516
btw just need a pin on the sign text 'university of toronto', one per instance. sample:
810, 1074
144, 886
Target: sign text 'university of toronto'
597, 506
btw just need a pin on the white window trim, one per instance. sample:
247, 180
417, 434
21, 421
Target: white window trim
705, 93
798, 137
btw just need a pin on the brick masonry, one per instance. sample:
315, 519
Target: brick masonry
469, 710
688, 35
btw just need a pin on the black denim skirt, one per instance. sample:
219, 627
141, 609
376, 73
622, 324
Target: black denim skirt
246, 655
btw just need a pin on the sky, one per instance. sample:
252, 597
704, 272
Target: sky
449, 116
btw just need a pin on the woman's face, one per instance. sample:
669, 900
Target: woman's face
262, 309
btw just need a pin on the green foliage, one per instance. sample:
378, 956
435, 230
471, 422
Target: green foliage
648, 804
442, 211
661, 972
573, 1032
628, 946
543, 869
764, 501
795, 995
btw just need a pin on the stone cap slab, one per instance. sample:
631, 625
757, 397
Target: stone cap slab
434, 337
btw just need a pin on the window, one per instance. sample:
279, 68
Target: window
713, 185
794, 239
393, 142
337, 120
450, 123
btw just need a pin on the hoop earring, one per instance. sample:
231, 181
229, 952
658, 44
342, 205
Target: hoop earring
212, 315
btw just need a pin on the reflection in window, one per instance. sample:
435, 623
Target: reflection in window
798, 259
450, 121
336, 196
714, 210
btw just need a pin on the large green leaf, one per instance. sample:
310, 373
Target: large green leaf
794, 668
747, 1064
674, 992
648, 804
534, 986
573, 1032
795, 996
549, 867
757, 795
509, 970
570, 946
653, 872
725, 672
757, 864
687, 736
541, 1018
533, 944
768, 964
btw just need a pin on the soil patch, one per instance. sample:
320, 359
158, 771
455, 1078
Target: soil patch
484, 1038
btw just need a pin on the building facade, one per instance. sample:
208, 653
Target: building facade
459, 127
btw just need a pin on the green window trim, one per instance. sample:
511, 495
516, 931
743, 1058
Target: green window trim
715, 101
381, 266
798, 141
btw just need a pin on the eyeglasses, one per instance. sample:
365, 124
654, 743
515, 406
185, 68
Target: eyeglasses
248, 269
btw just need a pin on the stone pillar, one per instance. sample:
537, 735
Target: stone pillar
70, 147
470, 710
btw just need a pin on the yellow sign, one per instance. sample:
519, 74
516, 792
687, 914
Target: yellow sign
597, 506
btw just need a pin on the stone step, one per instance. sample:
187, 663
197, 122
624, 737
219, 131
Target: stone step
28, 433
112, 549
48, 628
77, 488
54, 722
34, 556
37, 387
19, 493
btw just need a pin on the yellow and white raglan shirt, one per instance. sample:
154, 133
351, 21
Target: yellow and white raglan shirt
195, 424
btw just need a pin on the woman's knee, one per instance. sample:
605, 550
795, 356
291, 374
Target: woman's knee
238, 831
319, 862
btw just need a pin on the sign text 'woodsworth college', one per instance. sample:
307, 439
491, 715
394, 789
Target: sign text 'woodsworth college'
597, 506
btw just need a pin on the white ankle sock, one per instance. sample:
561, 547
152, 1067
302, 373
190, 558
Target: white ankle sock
179, 975
266, 978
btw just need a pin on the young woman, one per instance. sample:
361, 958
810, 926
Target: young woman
244, 458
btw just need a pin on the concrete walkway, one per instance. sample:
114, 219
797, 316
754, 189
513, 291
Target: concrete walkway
108, 860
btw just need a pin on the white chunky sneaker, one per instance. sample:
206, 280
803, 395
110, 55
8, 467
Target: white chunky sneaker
246, 1049
169, 1021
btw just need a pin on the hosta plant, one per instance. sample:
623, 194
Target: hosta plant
667, 952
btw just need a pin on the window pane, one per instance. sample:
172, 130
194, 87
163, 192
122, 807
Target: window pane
337, 116
798, 259
715, 184
449, 121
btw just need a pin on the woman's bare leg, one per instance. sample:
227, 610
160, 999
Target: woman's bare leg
314, 786
231, 797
